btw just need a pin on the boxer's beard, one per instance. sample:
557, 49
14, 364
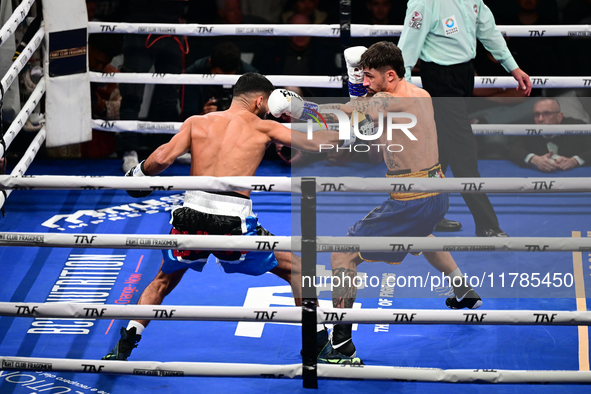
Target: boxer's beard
262, 113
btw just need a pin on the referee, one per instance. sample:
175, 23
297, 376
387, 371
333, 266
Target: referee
443, 33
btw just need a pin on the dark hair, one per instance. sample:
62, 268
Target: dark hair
253, 83
226, 56
381, 55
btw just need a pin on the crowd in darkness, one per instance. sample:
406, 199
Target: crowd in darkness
547, 56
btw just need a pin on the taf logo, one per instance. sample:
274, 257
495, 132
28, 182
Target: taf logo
450, 22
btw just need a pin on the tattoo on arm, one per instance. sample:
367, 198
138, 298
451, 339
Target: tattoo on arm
390, 162
330, 118
343, 296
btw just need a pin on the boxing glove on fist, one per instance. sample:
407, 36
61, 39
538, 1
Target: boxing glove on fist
283, 101
352, 59
134, 172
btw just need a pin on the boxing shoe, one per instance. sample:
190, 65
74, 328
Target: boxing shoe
126, 344
490, 232
328, 355
448, 225
470, 300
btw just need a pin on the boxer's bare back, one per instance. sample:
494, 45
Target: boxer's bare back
230, 143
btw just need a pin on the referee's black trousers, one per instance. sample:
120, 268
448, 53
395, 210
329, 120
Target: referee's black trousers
450, 87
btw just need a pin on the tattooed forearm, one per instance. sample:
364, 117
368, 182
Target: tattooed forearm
330, 106
390, 162
330, 118
343, 296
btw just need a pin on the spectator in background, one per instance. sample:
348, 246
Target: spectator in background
299, 55
308, 8
202, 99
377, 12
265, 9
141, 53
106, 98
551, 152
230, 12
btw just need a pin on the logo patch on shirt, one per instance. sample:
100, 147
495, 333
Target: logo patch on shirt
450, 25
475, 8
416, 20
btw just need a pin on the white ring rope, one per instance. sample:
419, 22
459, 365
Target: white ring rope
60, 310
310, 30
147, 127
23, 115
26, 160
152, 368
139, 126
320, 81
214, 79
15, 19
166, 312
358, 372
293, 185
530, 129
293, 243
149, 241
406, 374
182, 183
22, 59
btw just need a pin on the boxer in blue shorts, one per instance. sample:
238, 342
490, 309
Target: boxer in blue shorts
222, 144
229, 213
403, 214
378, 89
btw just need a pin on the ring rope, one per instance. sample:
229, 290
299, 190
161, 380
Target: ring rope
152, 368
147, 127
18, 123
15, 19
313, 30
20, 62
147, 241
319, 81
363, 372
24, 163
406, 374
59, 310
293, 243
293, 185
213, 79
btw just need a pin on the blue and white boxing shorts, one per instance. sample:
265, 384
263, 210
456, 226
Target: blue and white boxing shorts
403, 215
217, 214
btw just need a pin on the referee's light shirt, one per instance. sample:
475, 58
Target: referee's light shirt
445, 32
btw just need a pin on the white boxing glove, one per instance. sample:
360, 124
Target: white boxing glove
352, 59
283, 101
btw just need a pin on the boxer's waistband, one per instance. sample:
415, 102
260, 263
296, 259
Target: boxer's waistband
433, 172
